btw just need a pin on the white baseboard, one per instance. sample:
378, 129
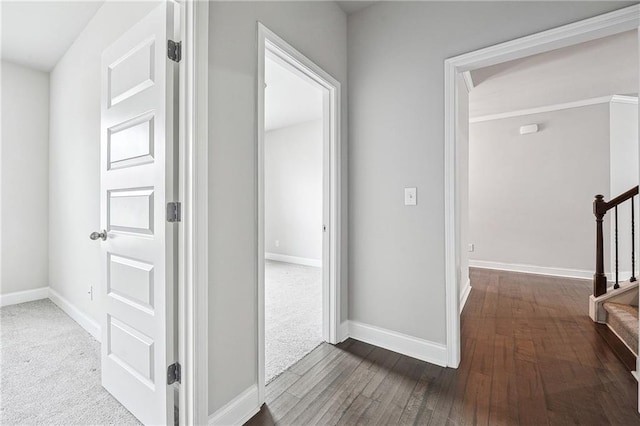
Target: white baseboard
24, 296
434, 353
343, 331
294, 259
91, 326
531, 269
239, 410
464, 295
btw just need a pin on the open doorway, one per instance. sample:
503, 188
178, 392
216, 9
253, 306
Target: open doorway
457, 144
293, 182
546, 134
552, 129
298, 203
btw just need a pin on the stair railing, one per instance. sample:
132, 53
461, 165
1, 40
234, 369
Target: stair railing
600, 208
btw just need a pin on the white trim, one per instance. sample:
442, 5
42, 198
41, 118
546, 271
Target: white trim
90, 325
623, 99
270, 44
239, 410
557, 107
260, 84
625, 19
589, 29
294, 259
343, 331
24, 296
468, 80
451, 228
193, 258
465, 295
532, 269
626, 294
424, 350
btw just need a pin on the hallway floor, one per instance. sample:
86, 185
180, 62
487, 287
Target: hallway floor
293, 314
51, 370
530, 355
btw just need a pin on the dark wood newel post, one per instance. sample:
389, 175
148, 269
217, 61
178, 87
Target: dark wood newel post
599, 278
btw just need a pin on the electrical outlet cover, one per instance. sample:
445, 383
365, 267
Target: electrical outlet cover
410, 196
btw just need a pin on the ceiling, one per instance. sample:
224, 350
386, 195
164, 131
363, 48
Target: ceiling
289, 99
36, 34
603, 67
350, 7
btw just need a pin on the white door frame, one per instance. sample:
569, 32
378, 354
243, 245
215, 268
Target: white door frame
589, 29
193, 259
270, 43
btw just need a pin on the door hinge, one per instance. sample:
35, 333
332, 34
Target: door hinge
174, 213
173, 373
174, 50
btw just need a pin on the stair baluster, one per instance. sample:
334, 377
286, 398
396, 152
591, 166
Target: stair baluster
633, 241
600, 209
617, 284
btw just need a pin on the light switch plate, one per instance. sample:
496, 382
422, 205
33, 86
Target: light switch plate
410, 196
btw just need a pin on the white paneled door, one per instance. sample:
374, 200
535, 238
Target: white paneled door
138, 149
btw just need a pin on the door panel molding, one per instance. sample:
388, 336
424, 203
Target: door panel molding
138, 256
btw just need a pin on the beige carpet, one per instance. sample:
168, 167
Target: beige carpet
51, 371
293, 314
623, 319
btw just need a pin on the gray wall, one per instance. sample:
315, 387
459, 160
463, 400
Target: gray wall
396, 115
74, 178
601, 67
623, 130
530, 196
318, 30
24, 169
293, 190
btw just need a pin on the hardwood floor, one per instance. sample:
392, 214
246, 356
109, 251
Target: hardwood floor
530, 356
